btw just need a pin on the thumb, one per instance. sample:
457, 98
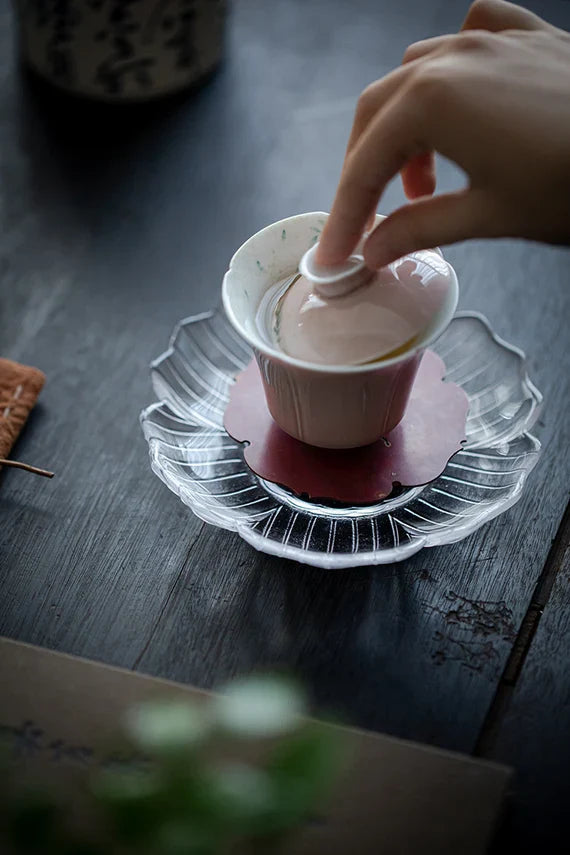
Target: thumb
427, 223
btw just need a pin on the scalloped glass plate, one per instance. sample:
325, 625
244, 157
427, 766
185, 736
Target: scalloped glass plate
194, 456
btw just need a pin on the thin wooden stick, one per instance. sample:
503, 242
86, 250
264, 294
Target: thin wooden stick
17, 465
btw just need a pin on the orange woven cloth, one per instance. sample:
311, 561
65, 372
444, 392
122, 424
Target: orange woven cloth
20, 386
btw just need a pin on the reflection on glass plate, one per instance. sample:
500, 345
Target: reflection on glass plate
194, 456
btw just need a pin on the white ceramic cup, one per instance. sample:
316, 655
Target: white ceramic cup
121, 51
331, 406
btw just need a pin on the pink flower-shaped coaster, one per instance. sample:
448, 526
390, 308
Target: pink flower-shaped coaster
414, 453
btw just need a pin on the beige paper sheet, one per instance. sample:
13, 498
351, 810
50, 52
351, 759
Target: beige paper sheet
395, 797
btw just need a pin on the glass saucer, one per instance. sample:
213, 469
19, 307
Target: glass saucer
194, 456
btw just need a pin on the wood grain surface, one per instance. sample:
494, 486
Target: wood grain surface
114, 224
529, 723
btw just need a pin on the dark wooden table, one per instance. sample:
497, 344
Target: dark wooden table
115, 224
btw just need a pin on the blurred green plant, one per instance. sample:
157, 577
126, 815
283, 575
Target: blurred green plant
195, 794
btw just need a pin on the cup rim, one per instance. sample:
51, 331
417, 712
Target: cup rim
272, 353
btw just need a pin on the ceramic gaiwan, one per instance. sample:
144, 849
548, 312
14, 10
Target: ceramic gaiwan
338, 350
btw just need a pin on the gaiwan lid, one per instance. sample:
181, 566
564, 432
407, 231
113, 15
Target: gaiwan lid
358, 315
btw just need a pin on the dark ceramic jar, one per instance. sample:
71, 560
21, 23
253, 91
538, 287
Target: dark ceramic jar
121, 50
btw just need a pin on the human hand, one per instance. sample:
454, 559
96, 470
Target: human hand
495, 99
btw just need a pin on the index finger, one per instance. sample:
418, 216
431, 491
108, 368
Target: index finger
390, 141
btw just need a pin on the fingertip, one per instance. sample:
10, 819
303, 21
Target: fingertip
337, 241
327, 254
418, 176
418, 185
428, 181
324, 249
